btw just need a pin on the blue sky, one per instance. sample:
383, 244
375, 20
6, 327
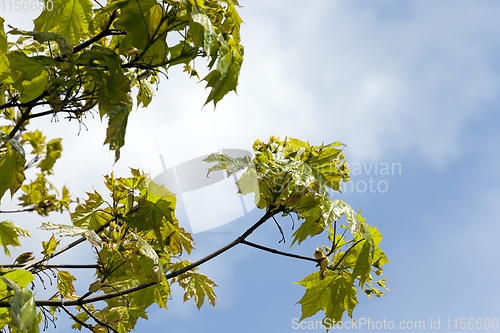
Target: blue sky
408, 82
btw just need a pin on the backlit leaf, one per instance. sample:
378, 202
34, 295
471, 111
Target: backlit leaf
228, 163
4, 61
149, 252
71, 231
134, 19
24, 258
50, 154
343, 297
197, 286
317, 295
363, 263
11, 169
69, 18
65, 284
9, 234
49, 247
20, 276
42, 37
22, 305
117, 124
225, 78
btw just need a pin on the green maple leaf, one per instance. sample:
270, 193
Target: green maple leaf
117, 125
49, 247
69, 18
149, 215
42, 37
317, 295
197, 286
363, 264
333, 295
22, 305
225, 78
11, 169
86, 217
51, 153
9, 235
4, 61
65, 284
342, 298
20, 276
30, 67
134, 19
155, 192
202, 30
228, 163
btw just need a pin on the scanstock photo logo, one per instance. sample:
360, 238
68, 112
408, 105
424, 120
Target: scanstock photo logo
173, 155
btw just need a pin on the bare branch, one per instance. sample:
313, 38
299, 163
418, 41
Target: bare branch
87, 326
269, 213
64, 266
18, 210
260, 247
97, 320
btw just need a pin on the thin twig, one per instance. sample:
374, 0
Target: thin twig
260, 247
97, 320
342, 258
87, 326
18, 210
67, 266
334, 236
281, 231
105, 32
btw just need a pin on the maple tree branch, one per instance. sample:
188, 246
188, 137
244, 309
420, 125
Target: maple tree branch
105, 32
40, 114
134, 64
78, 302
97, 320
268, 249
14, 103
24, 116
66, 266
75, 318
18, 210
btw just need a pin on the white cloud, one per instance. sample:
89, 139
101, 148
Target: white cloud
380, 86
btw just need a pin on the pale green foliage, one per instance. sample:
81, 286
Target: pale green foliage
9, 235
291, 176
71, 77
79, 59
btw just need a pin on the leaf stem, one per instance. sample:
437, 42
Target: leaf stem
334, 236
342, 258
